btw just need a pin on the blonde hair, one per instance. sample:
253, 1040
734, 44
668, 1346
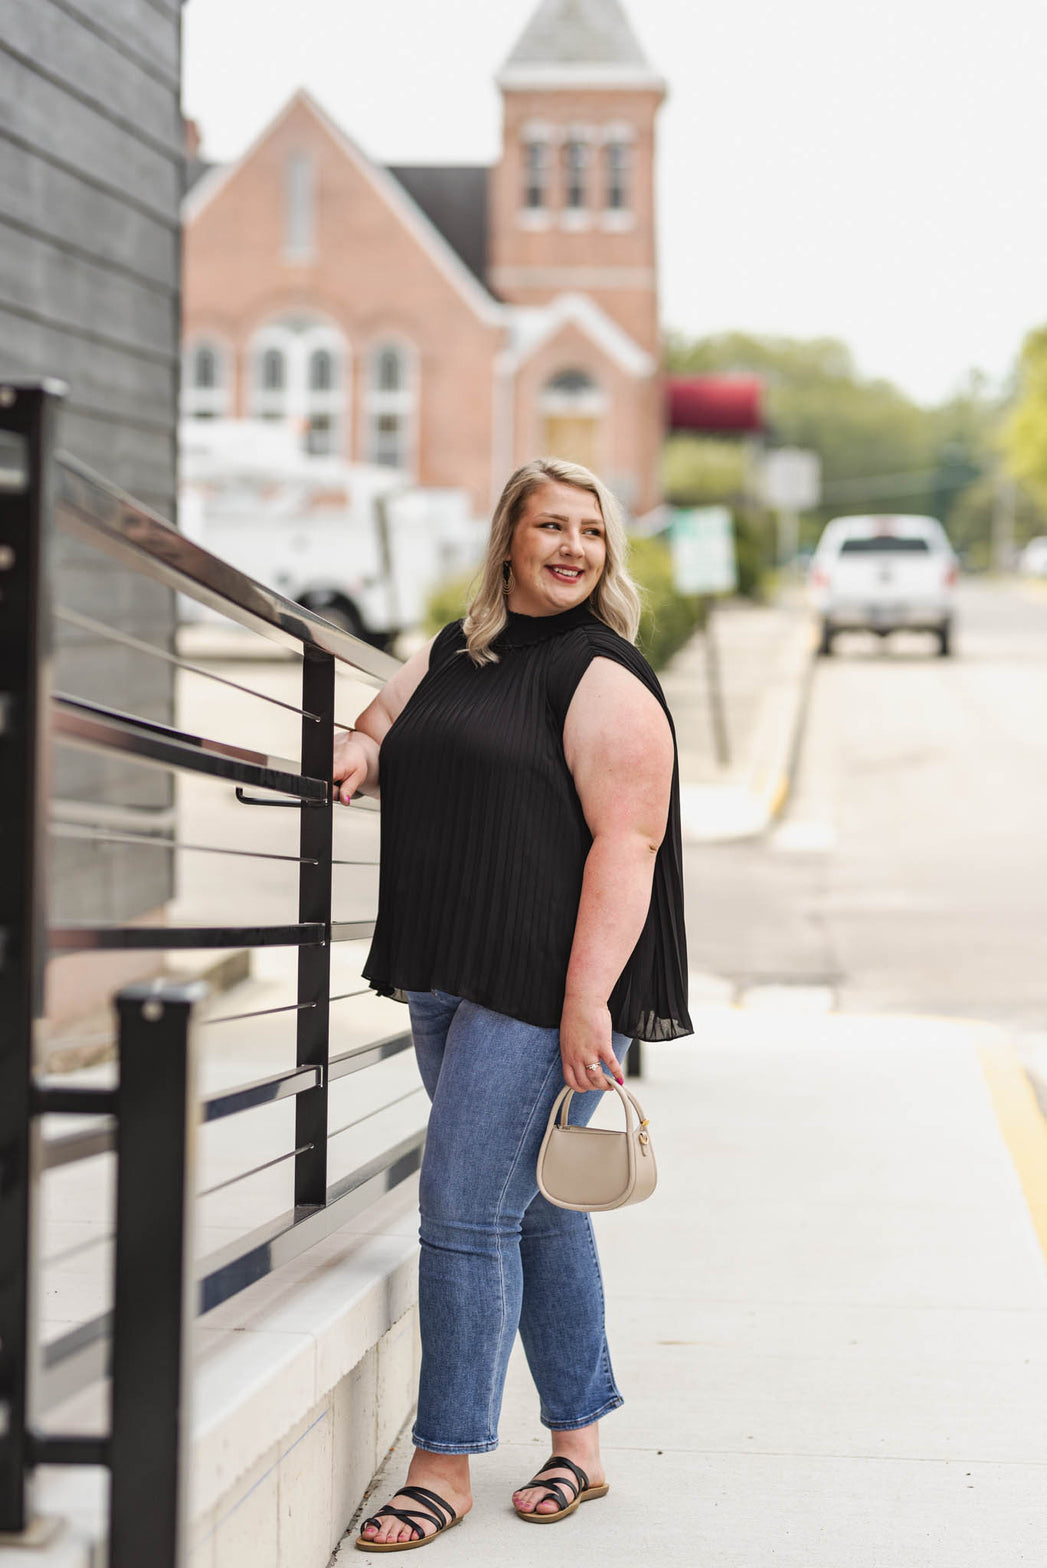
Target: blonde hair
615, 600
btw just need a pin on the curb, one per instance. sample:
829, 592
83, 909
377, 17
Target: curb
747, 809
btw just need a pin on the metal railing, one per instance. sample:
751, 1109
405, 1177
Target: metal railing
150, 1118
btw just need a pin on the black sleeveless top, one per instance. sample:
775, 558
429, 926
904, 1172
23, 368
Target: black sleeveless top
484, 840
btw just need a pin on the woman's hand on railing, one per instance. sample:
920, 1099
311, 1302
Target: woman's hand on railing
355, 765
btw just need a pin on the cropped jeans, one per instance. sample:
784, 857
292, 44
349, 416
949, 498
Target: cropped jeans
495, 1255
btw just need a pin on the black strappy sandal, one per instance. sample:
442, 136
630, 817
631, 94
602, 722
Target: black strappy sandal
444, 1520
581, 1491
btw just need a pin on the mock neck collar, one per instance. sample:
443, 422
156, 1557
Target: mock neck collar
523, 630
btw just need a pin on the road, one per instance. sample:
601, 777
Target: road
909, 871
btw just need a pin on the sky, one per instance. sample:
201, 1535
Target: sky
868, 171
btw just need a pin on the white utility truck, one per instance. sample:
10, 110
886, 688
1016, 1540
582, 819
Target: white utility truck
353, 541
884, 574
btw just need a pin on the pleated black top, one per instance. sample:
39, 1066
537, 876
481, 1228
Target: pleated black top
484, 840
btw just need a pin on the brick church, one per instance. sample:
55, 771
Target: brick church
449, 322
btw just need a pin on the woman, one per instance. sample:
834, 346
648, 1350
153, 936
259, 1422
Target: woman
530, 913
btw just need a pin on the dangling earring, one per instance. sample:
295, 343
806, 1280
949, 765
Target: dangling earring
508, 580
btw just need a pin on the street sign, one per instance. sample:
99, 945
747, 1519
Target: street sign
791, 479
702, 542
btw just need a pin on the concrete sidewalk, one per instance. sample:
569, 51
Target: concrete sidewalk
765, 655
830, 1323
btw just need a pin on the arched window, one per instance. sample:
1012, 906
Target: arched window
299, 376
571, 408
392, 396
616, 176
536, 175
274, 370
204, 381
205, 368
576, 168
299, 207
321, 370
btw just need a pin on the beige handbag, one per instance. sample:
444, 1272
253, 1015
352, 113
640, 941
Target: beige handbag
591, 1167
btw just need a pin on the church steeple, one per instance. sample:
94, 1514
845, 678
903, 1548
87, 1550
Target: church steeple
589, 40
572, 197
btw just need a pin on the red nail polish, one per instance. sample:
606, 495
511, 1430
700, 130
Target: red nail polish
622, 1082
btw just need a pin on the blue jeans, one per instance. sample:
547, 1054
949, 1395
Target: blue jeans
496, 1256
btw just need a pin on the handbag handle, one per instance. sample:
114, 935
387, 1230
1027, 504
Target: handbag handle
562, 1107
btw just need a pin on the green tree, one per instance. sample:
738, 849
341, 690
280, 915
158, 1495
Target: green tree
879, 449
1024, 434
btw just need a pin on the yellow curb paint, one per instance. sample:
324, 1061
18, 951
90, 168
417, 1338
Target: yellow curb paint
1023, 1126
779, 794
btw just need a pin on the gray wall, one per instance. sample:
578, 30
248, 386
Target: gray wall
91, 177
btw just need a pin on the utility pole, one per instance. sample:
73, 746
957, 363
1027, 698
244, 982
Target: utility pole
1005, 505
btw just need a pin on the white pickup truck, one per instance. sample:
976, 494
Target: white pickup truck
884, 574
353, 541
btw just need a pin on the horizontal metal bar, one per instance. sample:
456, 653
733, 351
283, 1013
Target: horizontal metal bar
162, 841
252, 1257
46, 1448
366, 1055
262, 1091
110, 634
75, 1360
336, 1132
93, 509
73, 1146
257, 1012
231, 1181
351, 930
71, 1100
343, 996
88, 724
116, 819
80, 939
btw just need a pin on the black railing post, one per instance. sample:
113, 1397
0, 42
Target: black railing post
27, 416
634, 1059
314, 904
154, 1299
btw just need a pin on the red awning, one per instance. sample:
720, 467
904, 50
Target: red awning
714, 403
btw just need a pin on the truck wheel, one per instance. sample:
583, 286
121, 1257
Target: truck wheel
340, 612
825, 644
945, 639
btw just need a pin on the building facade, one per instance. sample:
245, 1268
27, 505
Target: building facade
448, 322
91, 183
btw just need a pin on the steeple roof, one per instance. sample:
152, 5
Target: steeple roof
575, 43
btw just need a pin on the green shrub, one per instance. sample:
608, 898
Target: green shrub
668, 617
448, 600
754, 551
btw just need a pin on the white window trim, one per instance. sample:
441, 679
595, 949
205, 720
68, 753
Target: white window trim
617, 220
536, 218
578, 217
588, 402
208, 402
611, 217
618, 131
404, 402
302, 249
297, 403
548, 172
